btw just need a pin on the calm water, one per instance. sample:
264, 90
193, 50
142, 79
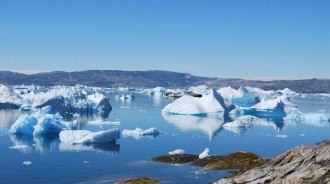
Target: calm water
53, 162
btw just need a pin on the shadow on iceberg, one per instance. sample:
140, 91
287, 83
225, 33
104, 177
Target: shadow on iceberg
107, 148
208, 125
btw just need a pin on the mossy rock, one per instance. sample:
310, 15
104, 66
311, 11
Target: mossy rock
141, 180
205, 161
239, 161
176, 159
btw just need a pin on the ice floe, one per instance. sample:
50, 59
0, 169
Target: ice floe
27, 163
138, 132
176, 152
89, 137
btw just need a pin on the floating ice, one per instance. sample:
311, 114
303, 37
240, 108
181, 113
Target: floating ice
206, 105
204, 154
28, 163
176, 152
241, 97
88, 137
67, 100
39, 123
138, 132
9, 99
278, 107
202, 89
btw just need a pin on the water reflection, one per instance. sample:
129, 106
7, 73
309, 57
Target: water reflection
209, 125
39, 143
108, 148
7, 118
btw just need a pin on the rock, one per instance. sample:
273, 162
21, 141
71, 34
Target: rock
141, 180
304, 164
176, 158
239, 161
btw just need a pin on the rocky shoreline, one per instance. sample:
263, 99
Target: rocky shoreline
304, 164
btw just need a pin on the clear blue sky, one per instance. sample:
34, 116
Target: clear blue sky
239, 38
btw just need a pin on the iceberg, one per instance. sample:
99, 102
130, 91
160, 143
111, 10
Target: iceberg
204, 154
138, 132
202, 89
278, 107
212, 103
9, 99
67, 100
176, 152
241, 97
39, 123
245, 98
89, 137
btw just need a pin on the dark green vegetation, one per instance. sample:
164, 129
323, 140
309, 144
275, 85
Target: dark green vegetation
141, 180
238, 162
117, 78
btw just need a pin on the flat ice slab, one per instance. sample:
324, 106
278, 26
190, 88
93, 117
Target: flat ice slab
89, 137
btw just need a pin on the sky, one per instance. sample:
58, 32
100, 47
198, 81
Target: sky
219, 38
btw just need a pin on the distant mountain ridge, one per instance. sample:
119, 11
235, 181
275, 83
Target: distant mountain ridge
154, 78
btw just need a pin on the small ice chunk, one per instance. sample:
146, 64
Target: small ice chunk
302, 135
138, 132
88, 137
281, 136
86, 162
204, 154
176, 152
28, 163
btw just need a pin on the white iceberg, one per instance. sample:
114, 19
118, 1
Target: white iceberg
201, 89
241, 97
210, 104
9, 99
138, 132
176, 152
278, 107
64, 99
204, 154
89, 137
39, 123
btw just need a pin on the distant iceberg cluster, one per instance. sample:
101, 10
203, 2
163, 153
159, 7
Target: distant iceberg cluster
237, 109
45, 111
62, 99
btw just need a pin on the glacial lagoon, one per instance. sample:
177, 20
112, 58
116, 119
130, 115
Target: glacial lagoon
45, 159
